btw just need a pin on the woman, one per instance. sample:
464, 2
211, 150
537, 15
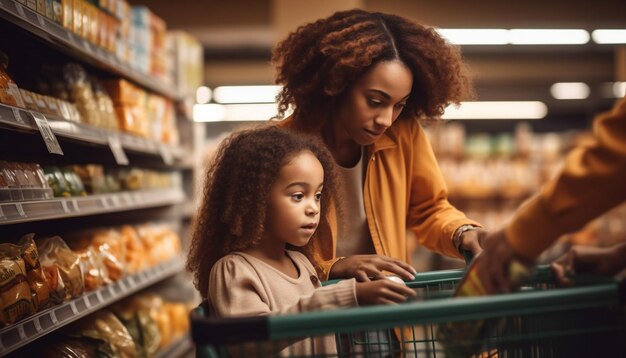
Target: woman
363, 81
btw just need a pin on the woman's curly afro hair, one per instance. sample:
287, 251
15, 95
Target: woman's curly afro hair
236, 192
317, 64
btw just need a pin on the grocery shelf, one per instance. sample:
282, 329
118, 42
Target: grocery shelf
44, 322
76, 46
22, 119
58, 208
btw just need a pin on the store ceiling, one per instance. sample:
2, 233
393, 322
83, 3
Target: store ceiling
238, 36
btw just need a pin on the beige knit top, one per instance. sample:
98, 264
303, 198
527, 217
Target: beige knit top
242, 285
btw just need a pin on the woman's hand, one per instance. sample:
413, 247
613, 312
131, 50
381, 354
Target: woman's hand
493, 264
606, 261
473, 240
367, 267
382, 291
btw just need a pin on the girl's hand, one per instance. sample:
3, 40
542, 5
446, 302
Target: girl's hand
382, 291
367, 267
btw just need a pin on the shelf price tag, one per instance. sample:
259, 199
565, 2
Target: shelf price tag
117, 150
46, 133
18, 116
41, 21
166, 154
20, 210
87, 47
20, 9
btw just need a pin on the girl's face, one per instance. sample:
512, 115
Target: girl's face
294, 201
374, 102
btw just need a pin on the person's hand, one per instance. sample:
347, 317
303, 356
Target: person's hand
493, 264
473, 240
593, 260
367, 267
382, 291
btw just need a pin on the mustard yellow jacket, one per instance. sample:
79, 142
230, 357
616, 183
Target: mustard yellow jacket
403, 188
592, 181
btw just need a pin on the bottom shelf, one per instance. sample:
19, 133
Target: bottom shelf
53, 318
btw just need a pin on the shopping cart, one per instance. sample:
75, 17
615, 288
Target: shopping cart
539, 321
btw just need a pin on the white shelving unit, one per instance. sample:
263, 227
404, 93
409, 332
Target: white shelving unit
151, 153
42, 323
59, 208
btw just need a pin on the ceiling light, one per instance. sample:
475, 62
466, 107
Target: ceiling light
606, 36
234, 112
475, 36
548, 36
570, 90
246, 94
497, 110
210, 112
203, 94
619, 89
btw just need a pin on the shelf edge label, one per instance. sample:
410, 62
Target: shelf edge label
46, 133
118, 152
166, 154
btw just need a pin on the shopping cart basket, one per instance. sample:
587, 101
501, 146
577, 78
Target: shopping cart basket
539, 321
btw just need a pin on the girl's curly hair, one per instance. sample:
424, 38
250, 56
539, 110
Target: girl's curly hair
317, 64
236, 193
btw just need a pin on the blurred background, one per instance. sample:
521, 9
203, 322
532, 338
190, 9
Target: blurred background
138, 94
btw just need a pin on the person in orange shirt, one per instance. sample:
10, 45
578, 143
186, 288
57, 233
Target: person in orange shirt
363, 81
591, 182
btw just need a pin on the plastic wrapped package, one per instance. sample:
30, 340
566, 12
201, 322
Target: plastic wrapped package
108, 245
56, 181
9, 92
81, 93
130, 106
105, 106
94, 271
105, 327
74, 183
161, 243
15, 296
135, 251
92, 177
62, 269
138, 314
39, 288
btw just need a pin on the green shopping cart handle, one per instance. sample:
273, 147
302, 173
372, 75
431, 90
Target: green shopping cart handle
542, 273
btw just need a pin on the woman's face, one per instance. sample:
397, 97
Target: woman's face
374, 102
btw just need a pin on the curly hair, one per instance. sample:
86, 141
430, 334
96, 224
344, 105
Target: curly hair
317, 64
236, 193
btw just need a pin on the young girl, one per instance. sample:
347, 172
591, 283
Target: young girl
267, 196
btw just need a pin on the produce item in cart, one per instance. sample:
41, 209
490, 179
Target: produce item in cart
15, 296
396, 279
62, 269
9, 92
39, 288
